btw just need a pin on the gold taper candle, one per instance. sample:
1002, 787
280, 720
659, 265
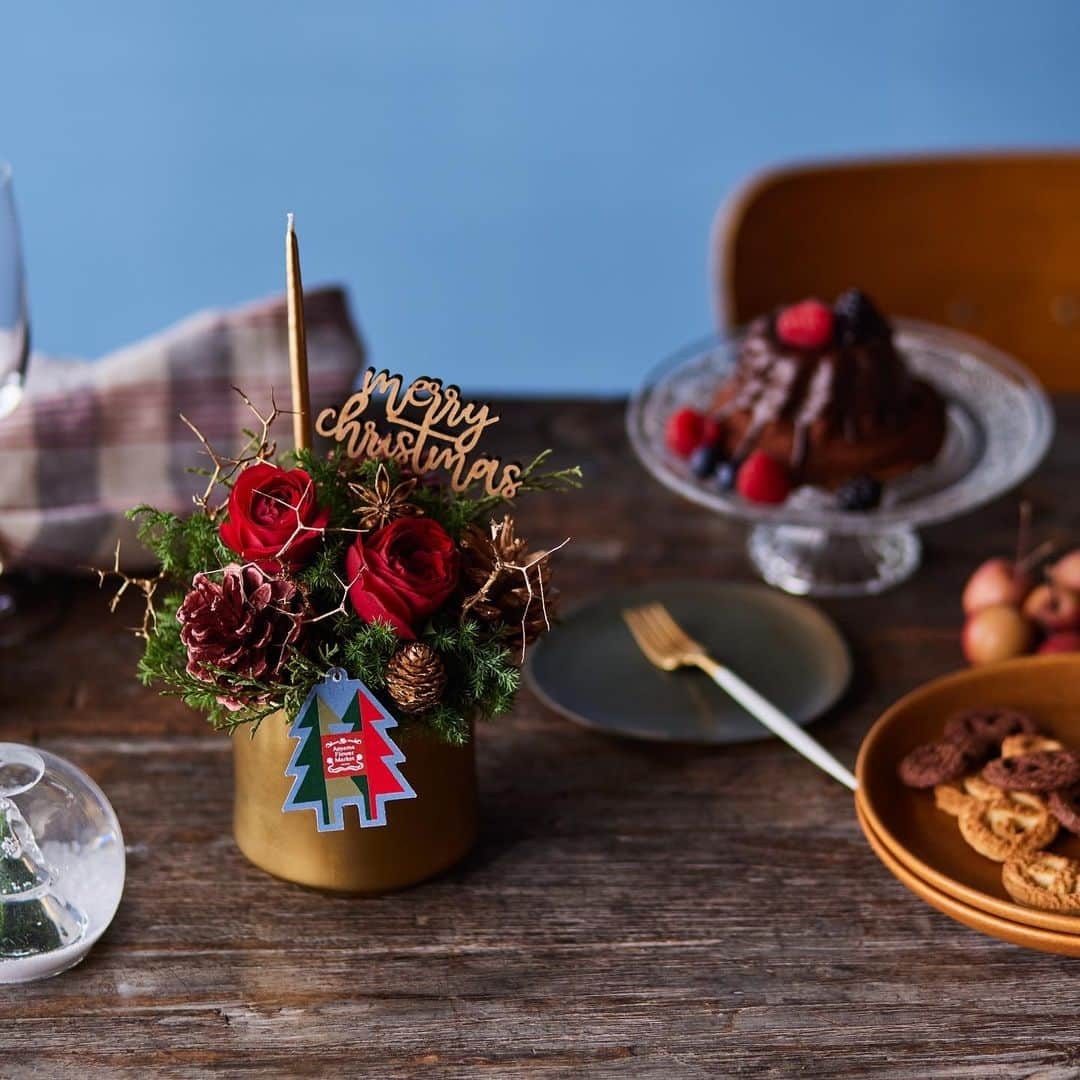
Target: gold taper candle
301, 401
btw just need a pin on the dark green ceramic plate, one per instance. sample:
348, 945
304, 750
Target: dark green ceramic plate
589, 669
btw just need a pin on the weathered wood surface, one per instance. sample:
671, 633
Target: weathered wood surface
630, 910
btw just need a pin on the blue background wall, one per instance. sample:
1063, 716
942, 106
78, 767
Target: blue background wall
518, 194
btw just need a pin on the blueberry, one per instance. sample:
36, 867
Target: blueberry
859, 493
703, 461
725, 474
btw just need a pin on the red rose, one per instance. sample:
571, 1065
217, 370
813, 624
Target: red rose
274, 520
402, 573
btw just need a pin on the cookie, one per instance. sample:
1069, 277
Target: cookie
1065, 806
978, 788
1042, 880
933, 763
1006, 827
979, 731
1015, 745
973, 786
951, 797
1044, 770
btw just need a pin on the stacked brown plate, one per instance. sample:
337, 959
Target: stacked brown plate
922, 845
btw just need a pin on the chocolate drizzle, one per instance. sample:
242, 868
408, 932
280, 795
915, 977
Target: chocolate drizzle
851, 390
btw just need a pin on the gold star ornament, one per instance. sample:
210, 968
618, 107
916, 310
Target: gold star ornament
380, 504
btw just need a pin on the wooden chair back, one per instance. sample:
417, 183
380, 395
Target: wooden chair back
989, 244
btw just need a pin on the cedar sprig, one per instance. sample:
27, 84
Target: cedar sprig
183, 545
367, 650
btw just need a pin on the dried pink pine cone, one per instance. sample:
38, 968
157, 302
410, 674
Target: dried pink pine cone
242, 621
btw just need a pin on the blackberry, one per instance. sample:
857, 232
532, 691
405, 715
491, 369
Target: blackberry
859, 493
857, 319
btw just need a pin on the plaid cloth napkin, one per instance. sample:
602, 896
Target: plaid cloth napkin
91, 440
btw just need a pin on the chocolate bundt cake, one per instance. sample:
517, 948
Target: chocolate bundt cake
826, 391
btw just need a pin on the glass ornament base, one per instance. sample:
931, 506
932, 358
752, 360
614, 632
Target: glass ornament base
809, 561
61, 864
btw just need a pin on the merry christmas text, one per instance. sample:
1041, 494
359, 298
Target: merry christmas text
431, 429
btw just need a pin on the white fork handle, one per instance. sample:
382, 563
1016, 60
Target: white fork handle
777, 722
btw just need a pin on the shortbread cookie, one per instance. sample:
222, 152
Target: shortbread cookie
1005, 827
1044, 770
933, 763
978, 788
979, 731
1065, 806
951, 797
1043, 880
1015, 745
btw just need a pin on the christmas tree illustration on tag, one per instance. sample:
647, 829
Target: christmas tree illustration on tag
344, 756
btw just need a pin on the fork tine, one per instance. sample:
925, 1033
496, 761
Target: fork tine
656, 629
691, 643
642, 633
677, 638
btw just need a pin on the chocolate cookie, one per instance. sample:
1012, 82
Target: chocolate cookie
933, 763
1044, 770
979, 731
1065, 806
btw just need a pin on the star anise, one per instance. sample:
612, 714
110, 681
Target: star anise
381, 504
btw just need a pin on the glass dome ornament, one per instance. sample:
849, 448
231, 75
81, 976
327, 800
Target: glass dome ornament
61, 863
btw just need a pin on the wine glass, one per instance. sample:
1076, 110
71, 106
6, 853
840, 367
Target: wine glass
14, 314
27, 604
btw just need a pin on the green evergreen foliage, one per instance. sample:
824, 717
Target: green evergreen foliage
483, 677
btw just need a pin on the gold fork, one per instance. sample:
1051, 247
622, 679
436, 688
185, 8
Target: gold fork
669, 647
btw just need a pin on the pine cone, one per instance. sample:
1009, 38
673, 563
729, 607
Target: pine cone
415, 677
243, 622
501, 593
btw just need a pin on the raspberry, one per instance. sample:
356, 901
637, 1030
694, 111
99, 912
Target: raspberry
807, 325
684, 431
712, 431
763, 479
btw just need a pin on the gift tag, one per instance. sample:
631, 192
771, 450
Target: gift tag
344, 756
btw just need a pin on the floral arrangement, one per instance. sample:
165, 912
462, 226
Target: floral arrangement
294, 564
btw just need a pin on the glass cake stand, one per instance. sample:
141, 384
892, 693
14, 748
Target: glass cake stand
998, 427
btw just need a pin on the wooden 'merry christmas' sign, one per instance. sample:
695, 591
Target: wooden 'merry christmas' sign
431, 429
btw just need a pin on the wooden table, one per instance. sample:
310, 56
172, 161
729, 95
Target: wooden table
630, 909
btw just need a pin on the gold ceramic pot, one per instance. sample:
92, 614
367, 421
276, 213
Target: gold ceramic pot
422, 837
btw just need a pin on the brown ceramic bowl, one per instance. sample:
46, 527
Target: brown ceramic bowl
925, 840
1030, 937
